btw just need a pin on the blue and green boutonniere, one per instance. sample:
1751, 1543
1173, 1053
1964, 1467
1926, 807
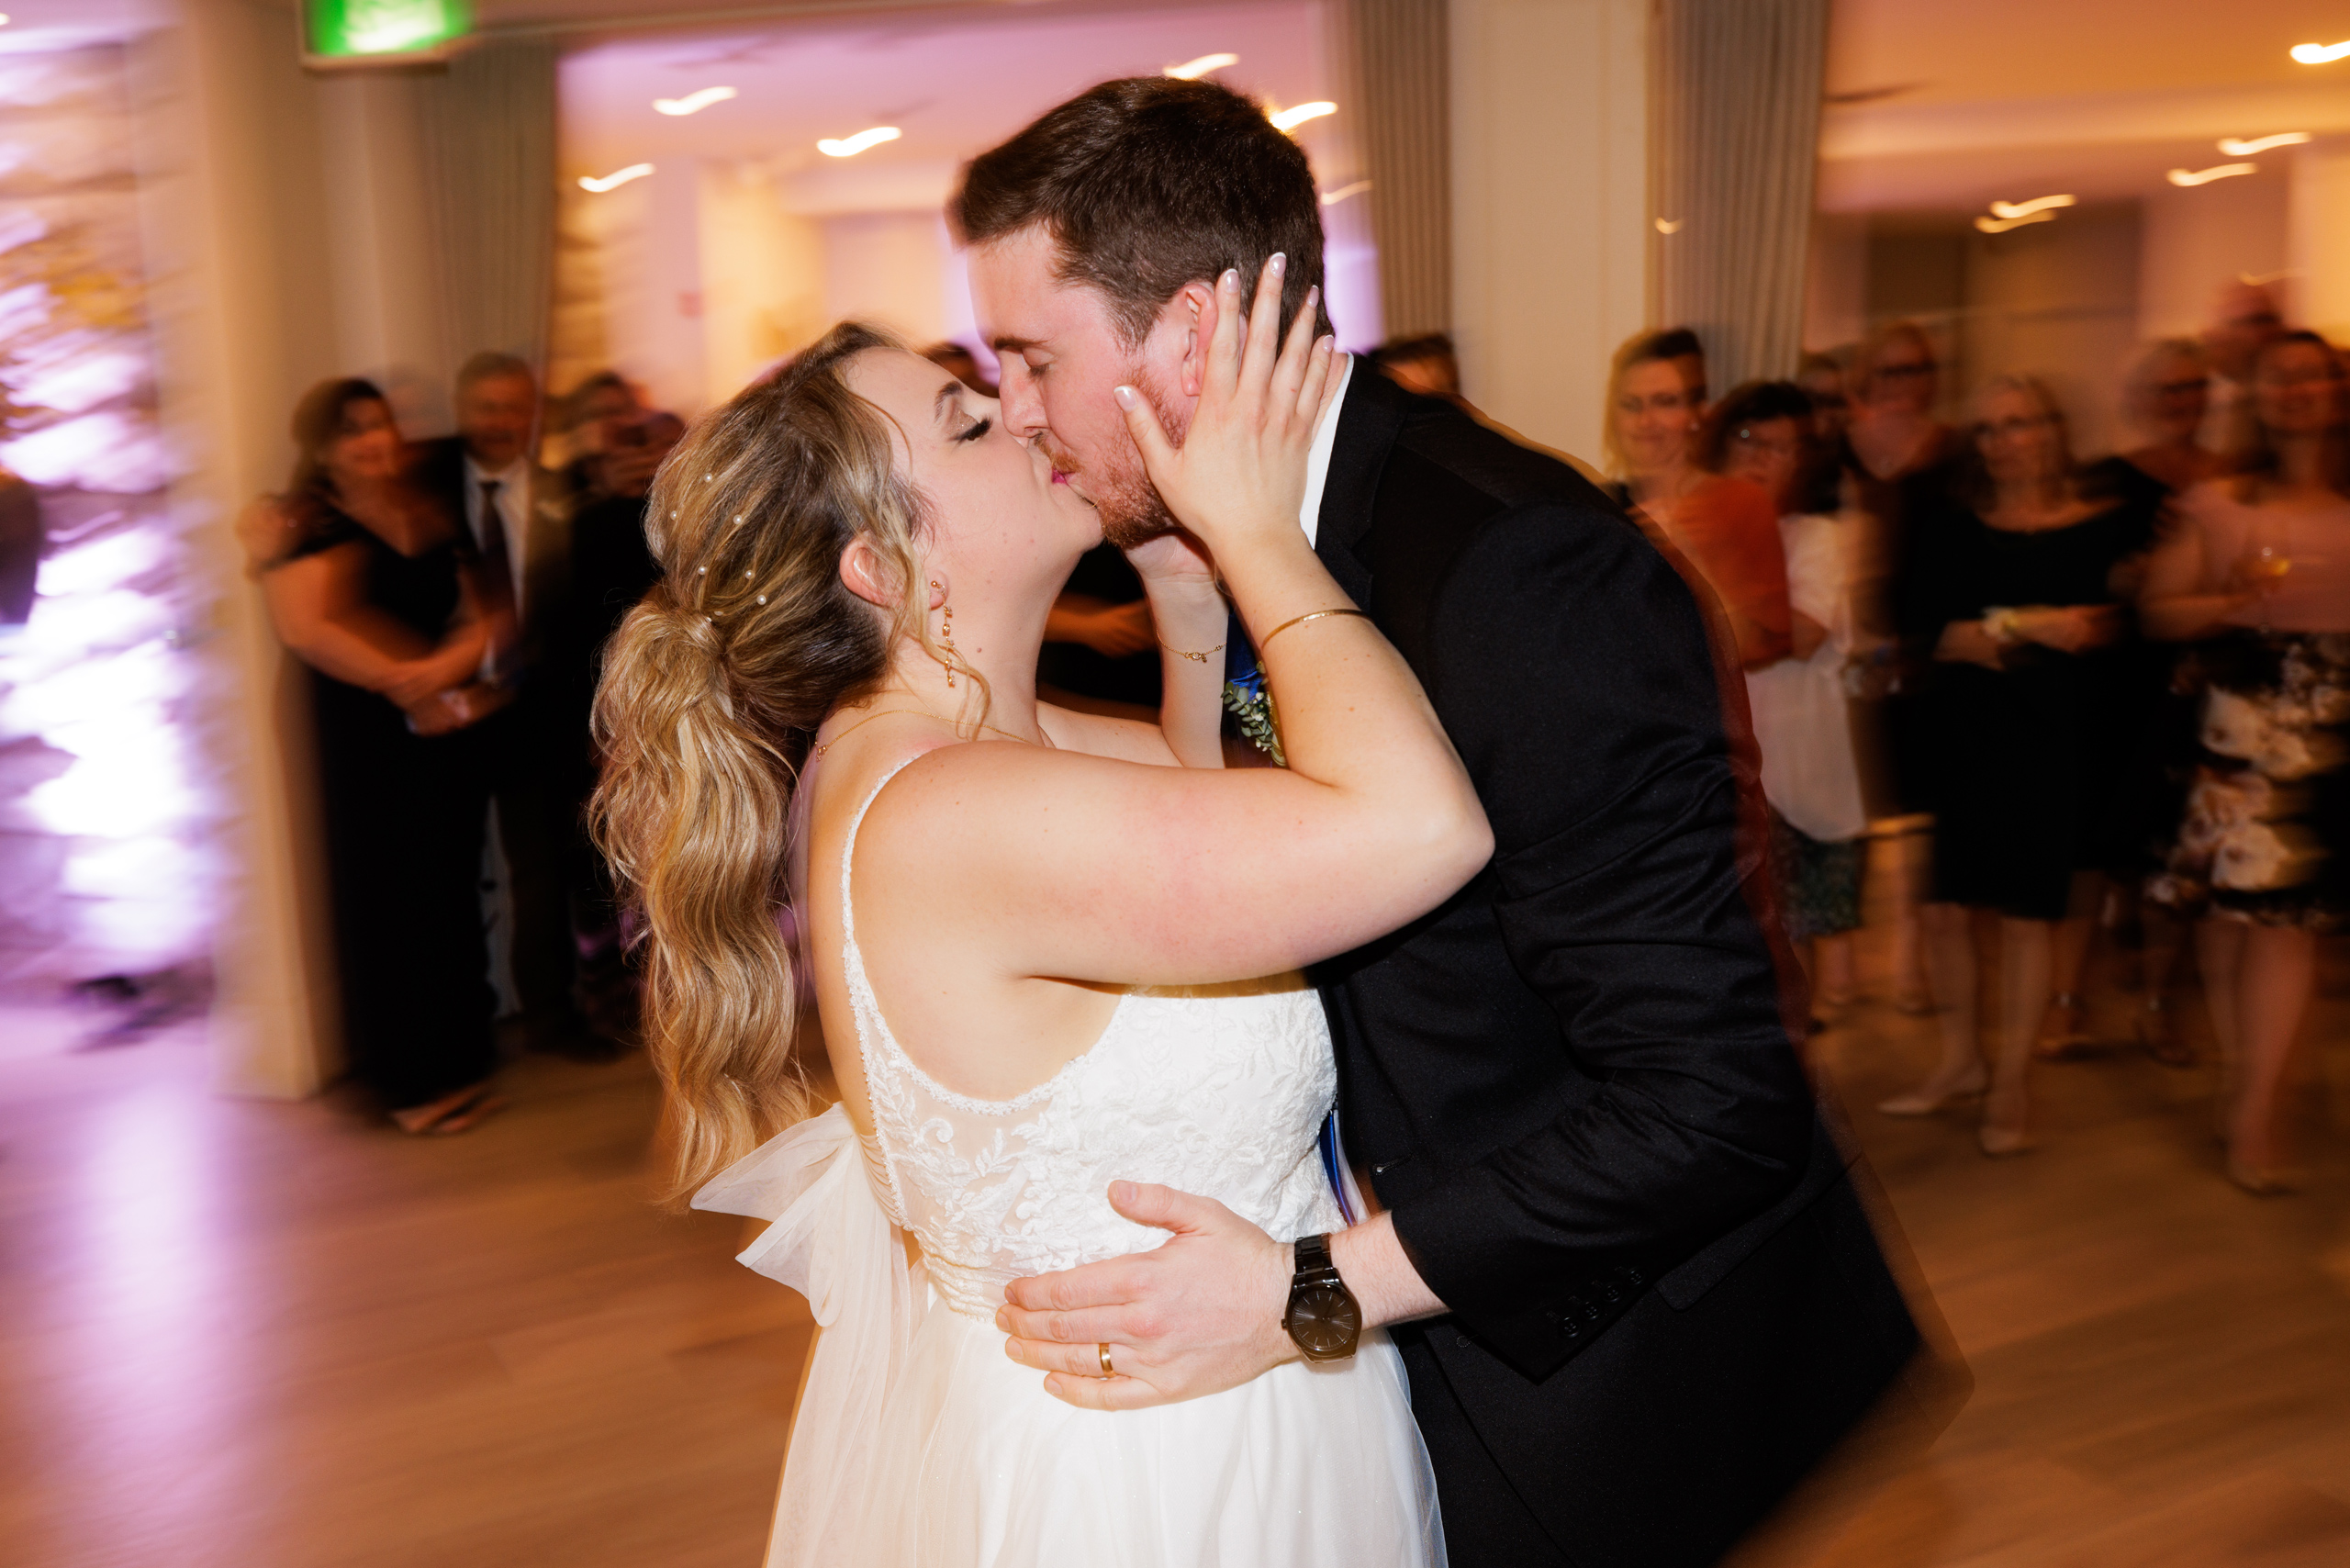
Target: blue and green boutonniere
1245, 699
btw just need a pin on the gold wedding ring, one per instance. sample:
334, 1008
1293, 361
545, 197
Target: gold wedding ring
1107, 1370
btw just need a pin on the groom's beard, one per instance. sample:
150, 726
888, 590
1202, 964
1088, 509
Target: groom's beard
1121, 491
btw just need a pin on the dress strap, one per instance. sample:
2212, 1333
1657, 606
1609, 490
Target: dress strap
885, 1089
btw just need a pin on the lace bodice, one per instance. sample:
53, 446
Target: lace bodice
1218, 1090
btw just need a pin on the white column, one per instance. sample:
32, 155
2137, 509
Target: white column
247, 314
2319, 238
1550, 207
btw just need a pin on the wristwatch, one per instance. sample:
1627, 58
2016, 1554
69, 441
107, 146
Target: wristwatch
1323, 1315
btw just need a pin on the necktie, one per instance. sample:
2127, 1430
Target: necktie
497, 576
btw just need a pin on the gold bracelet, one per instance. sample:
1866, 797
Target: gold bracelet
1301, 620
1195, 659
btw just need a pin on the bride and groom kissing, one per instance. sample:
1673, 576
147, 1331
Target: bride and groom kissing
1395, 1156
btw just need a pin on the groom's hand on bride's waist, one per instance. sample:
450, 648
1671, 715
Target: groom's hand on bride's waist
1201, 1313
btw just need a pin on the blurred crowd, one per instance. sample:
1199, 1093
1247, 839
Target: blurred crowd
2107, 698
2079, 700
450, 598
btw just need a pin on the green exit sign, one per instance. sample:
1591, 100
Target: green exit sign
382, 32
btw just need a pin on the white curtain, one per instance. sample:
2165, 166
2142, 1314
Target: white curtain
1399, 75
490, 134
1736, 89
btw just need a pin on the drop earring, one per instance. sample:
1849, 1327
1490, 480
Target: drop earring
947, 637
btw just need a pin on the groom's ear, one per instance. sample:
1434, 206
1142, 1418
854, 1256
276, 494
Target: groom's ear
1189, 321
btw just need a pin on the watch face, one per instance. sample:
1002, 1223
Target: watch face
1323, 1321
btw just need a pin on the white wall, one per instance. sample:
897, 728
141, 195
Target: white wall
1836, 281
2319, 238
2197, 239
1550, 207
890, 268
762, 277
2059, 301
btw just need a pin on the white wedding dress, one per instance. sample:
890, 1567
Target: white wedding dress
918, 1443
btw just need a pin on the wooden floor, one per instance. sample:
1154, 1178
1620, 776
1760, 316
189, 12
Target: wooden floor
269, 1335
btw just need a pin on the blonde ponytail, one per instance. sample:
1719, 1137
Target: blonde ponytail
711, 691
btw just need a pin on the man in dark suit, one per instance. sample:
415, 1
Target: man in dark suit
1628, 1266
519, 517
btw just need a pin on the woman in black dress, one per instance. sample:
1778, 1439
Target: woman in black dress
373, 588
2014, 590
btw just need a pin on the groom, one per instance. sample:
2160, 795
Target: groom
1625, 1263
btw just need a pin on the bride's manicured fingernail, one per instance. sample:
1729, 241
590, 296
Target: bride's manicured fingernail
1230, 280
1124, 395
1312, 295
1279, 265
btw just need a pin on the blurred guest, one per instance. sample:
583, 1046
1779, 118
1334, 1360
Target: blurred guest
21, 539
518, 516
593, 412
2017, 585
1726, 530
2168, 396
1680, 345
1100, 644
1762, 432
2243, 318
2166, 393
611, 568
961, 363
1900, 461
2258, 576
381, 594
1426, 364
1821, 376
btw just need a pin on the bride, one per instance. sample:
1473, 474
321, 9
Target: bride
1034, 937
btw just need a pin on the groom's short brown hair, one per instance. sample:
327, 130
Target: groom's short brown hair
1149, 184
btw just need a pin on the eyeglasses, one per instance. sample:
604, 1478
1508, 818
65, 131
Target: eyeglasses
1754, 443
1902, 369
2183, 388
1986, 429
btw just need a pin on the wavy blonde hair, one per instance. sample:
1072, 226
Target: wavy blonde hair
711, 691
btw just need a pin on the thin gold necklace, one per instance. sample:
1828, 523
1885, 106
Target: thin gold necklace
824, 746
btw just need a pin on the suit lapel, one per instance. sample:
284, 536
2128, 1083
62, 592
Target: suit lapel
1370, 420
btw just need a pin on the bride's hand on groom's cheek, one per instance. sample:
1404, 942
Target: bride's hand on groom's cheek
1200, 1313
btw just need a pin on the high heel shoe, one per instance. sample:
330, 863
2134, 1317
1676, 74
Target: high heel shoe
2061, 1035
1997, 1142
2260, 1180
2160, 1040
1925, 1100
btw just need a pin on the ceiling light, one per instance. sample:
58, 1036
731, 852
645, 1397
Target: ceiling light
2001, 225
2321, 54
1192, 69
850, 146
4, 19
2205, 176
616, 178
2025, 208
1290, 120
1670, 225
2235, 147
1345, 192
693, 103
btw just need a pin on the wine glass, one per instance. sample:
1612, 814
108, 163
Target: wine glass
2265, 566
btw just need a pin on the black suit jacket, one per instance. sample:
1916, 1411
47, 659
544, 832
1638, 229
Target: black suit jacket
543, 568
1572, 1084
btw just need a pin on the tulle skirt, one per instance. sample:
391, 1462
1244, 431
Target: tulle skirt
1305, 1467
